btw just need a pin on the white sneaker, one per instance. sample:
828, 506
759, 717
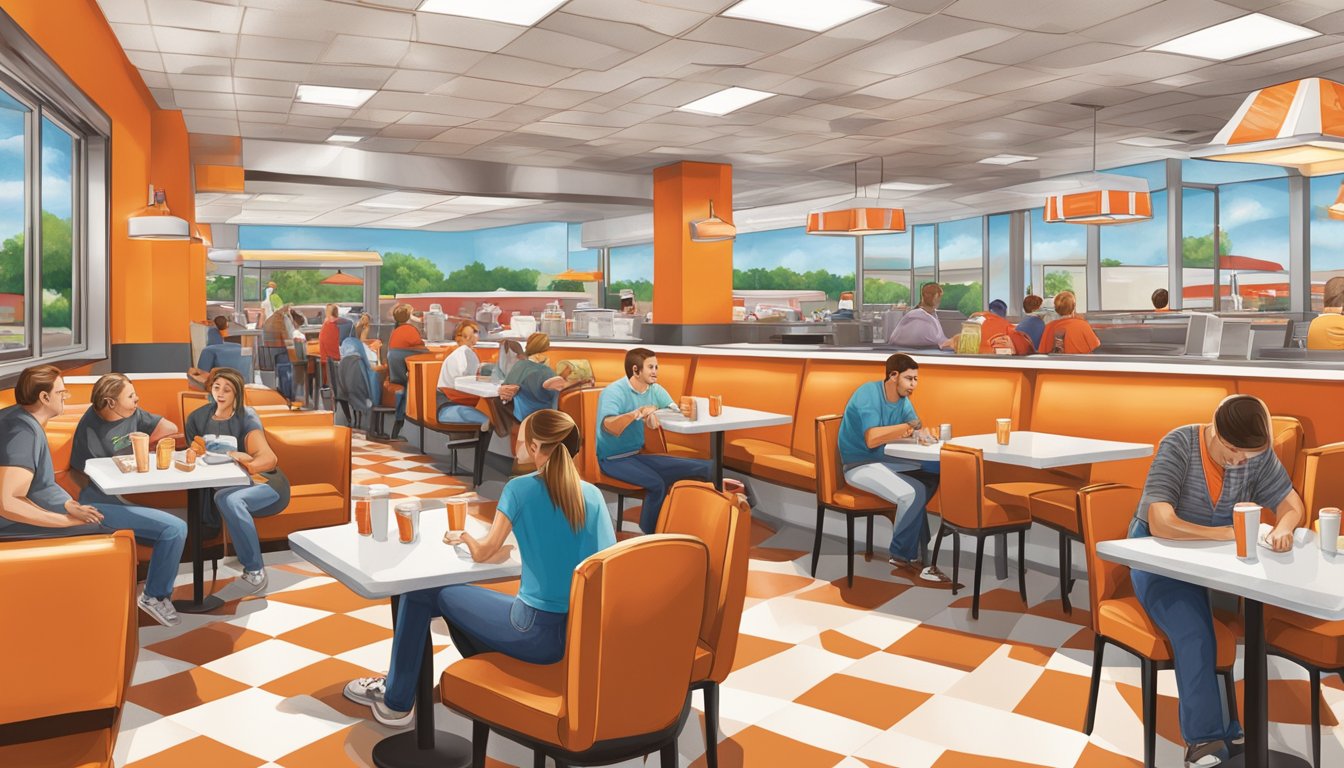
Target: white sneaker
391, 717
161, 610
366, 690
255, 581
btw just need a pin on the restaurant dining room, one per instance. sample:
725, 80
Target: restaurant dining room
690, 383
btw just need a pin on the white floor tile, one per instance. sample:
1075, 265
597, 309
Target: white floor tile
263, 724
374, 656
152, 666
999, 682
905, 672
793, 621
1039, 630
272, 617
374, 614
145, 733
911, 751
261, 663
739, 709
948, 721
788, 674
822, 729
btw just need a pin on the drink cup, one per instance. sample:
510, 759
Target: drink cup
1003, 430
378, 501
688, 408
945, 432
363, 510
715, 405
457, 514
140, 445
163, 453
408, 521
1246, 527
1327, 521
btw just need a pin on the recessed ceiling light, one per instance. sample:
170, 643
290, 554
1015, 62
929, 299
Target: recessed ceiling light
1008, 159
332, 96
910, 186
725, 101
814, 15
344, 138
521, 12
405, 201
1150, 141
1238, 37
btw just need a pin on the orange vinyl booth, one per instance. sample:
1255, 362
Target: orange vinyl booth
422, 376
622, 689
84, 658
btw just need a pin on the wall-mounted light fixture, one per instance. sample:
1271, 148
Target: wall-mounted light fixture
156, 222
712, 229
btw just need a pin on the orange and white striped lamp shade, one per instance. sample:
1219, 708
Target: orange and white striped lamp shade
1336, 211
856, 222
1298, 125
1098, 206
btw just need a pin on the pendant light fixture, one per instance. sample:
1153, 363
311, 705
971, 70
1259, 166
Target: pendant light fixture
712, 229
156, 222
1336, 211
859, 215
1297, 125
1106, 198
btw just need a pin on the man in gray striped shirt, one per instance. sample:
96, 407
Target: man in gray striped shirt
1200, 472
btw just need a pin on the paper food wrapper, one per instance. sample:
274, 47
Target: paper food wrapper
574, 370
1301, 536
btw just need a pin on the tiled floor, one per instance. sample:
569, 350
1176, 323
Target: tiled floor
888, 673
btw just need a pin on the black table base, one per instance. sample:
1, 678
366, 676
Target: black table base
1256, 699
716, 457
197, 501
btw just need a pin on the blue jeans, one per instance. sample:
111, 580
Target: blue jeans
237, 506
909, 490
165, 533
479, 620
284, 373
1182, 611
461, 414
655, 473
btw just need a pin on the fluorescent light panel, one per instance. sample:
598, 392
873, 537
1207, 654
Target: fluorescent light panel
333, 96
1238, 37
1008, 159
524, 13
344, 138
814, 15
725, 101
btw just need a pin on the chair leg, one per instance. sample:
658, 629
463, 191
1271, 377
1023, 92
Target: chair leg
669, 754
938, 543
1064, 575
538, 759
480, 737
979, 560
1098, 655
849, 549
620, 511
868, 550
1230, 691
711, 693
816, 540
1149, 672
1022, 564
956, 561
478, 465
1315, 675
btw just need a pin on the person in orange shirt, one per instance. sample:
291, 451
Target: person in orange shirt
997, 333
404, 335
1070, 334
1327, 330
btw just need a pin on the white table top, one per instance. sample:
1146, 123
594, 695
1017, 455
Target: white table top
104, 474
1038, 450
1303, 579
377, 569
731, 418
472, 386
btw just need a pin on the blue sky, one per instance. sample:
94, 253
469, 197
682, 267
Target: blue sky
56, 171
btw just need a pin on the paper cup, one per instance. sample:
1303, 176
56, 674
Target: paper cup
1246, 527
1327, 522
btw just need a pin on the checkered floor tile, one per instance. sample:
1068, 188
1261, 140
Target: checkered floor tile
888, 672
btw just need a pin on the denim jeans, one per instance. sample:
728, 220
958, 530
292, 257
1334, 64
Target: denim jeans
165, 533
479, 620
907, 488
461, 414
19, 531
236, 506
655, 473
284, 373
1182, 611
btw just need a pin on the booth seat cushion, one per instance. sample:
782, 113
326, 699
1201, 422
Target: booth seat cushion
786, 469
527, 698
1055, 501
851, 498
993, 515
1124, 621
1318, 641
309, 507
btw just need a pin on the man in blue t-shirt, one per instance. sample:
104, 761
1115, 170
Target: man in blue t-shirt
878, 413
624, 410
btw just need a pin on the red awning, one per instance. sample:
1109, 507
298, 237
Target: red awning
340, 278
1247, 263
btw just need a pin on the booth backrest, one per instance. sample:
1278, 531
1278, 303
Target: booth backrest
751, 382
825, 389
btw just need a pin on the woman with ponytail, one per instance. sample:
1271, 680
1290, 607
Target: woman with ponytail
558, 520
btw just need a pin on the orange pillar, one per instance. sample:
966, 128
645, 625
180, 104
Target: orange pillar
692, 282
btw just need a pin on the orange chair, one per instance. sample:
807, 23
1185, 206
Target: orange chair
621, 690
1314, 644
1118, 618
581, 405
422, 410
86, 656
833, 494
966, 510
723, 523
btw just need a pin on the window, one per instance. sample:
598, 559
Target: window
1057, 258
792, 260
924, 248
1327, 237
886, 269
1134, 259
961, 254
1253, 217
632, 268
1000, 251
53, 215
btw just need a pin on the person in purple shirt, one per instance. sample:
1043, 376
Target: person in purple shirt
919, 328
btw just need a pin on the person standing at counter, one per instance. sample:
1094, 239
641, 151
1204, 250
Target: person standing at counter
919, 328
1199, 473
1070, 334
105, 431
877, 413
625, 409
1327, 330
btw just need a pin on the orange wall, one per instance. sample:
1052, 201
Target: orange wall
155, 287
692, 282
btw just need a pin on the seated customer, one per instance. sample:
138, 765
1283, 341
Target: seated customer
1160, 300
335, 329
1070, 334
558, 520
404, 342
225, 355
878, 413
404, 335
357, 345
1199, 473
215, 333
32, 505
997, 333
1033, 323
625, 409
228, 426
1327, 330
104, 431
538, 385
455, 406
919, 328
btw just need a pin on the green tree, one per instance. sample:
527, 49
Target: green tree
55, 263
565, 285
643, 288
1197, 252
407, 273
475, 277
963, 297
1110, 263
220, 287
304, 286
785, 279
878, 291
1058, 281
11, 266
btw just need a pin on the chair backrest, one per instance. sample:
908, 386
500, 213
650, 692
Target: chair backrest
1322, 479
1288, 441
962, 485
1107, 510
86, 655
828, 457
723, 523
313, 454
189, 402
634, 619
353, 374
396, 364
582, 407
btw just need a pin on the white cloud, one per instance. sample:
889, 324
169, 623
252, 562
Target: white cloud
1242, 210
961, 252
12, 145
1048, 251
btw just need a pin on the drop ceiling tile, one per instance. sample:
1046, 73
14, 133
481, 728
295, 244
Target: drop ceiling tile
203, 100
522, 71
279, 49
412, 132
314, 121
877, 25
466, 136
827, 111
601, 82
488, 90
1163, 21
932, 41
270, 70
320, 110
176, 63
462, 32
439, 58
277, 118
135, 37
523, 114
154, 79
345, 217
447, 149
1003, 80
379, 116
565, 50
616, 118
676, 94
1043, 15
370, 22
210, 125
667, 57
174, 40
163, 97
348, 76
124, 11
149, 61
255, 87
758, 36
585, 132
657, 17
201, 82
812, 89
192, 14
844, 74
1086, 53
263, 103
292, 24
432, 119
1025, 47
927, 79
383, 144
630, 37
561, 98
445, 105
416, 81
355, 49
666, 134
